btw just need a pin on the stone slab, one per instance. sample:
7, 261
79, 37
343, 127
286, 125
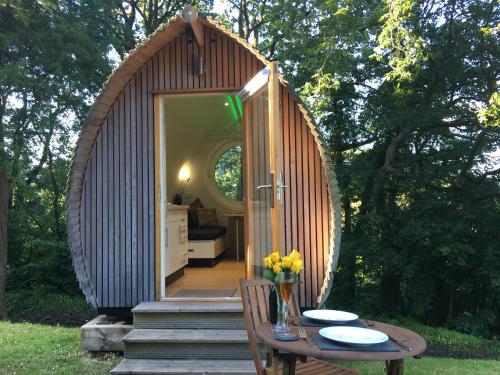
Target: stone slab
102, 334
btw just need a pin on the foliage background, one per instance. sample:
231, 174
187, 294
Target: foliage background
406, 96
228, 173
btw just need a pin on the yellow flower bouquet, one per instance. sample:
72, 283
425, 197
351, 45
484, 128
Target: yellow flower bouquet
284, 272
277, 265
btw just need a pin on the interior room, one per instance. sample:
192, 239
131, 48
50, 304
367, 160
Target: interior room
204, 178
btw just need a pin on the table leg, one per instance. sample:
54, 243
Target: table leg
394, 367
284, 364
236, 220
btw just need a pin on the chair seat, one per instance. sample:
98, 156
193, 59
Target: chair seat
316, 367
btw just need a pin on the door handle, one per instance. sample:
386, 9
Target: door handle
281, 181
280, 186
271, 187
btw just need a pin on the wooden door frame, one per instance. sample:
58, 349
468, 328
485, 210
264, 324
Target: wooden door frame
160, 202
160, 168
276, 162
275, 168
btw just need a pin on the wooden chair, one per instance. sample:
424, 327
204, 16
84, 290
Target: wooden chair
255, 297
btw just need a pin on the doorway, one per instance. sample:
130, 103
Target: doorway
202, 209
197, 137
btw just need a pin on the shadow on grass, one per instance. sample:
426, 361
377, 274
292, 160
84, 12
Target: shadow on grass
48, 308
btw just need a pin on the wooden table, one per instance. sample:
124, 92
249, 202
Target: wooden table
285, 353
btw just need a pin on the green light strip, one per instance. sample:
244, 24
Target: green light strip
240, 106
229, 100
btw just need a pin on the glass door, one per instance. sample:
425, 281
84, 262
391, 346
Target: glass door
262, 168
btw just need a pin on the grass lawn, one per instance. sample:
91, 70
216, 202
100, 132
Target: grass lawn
43, 349
39, 306
431, 366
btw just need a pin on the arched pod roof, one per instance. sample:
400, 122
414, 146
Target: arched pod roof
111, 91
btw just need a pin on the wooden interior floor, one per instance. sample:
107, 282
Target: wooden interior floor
225, 275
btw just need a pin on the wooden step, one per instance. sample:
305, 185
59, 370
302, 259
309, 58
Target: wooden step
189, 315
184, 367
185, 335
172, 306
186, 344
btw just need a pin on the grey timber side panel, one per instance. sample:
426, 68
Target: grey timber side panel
115, 301
122, 255
142, 290
145, 185
151, 171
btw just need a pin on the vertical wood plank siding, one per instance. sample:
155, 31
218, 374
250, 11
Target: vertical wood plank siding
117, 201
307, 209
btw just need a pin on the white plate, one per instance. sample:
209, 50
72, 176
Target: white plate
353, 335
335, 316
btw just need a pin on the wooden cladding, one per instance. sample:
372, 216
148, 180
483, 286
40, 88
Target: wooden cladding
118, 200
226, 64
117, 205
306, 208
116, 212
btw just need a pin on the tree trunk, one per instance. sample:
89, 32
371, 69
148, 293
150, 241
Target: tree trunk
4, 206
451, 306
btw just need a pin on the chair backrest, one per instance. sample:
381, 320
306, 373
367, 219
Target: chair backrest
255, 298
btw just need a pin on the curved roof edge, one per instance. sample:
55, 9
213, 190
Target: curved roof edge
111, 90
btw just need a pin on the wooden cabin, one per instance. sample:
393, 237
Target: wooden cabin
195, 161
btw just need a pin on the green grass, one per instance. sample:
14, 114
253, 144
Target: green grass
43, 349
40, 306
455, 344
430, 366
40, 300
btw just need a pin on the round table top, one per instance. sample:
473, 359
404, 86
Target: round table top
308, 348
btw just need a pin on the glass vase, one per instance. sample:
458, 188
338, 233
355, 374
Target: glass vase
285, 287
282, 314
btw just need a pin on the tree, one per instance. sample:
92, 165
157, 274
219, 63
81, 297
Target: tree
132, 20
55, 55
4, 202
405, 95
53, 59
228, 173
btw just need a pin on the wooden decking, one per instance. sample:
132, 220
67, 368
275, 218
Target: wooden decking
224, 275
187, 338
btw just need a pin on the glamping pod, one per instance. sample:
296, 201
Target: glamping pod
195, 161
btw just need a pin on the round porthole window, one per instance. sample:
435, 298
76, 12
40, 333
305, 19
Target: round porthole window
229, 173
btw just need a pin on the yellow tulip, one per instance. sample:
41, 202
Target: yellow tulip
295, 255
268, 262
275, 257
286, 262
277, 268
296, 266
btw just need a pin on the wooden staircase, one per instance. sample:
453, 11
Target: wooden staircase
187, 338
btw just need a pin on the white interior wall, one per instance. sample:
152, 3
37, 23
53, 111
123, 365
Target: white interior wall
198, 128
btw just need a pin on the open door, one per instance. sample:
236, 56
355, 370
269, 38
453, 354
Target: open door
262, 168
